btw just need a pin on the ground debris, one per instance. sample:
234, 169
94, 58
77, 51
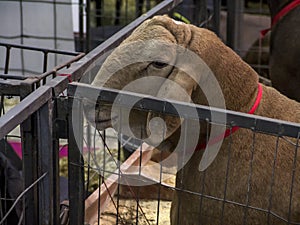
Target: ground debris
146, 212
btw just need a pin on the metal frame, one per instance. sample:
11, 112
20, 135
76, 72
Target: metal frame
36, 116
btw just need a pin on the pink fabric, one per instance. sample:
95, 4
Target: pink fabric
17, 146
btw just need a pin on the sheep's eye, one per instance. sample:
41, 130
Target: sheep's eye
159, 65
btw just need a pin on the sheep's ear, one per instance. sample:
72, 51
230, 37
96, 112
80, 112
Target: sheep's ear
179, 30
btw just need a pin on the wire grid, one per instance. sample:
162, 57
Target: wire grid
221, 199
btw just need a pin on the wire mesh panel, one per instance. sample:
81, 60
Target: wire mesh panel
251, 180
140, 187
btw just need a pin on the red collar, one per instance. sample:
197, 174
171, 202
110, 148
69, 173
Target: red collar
280, 14
230, 131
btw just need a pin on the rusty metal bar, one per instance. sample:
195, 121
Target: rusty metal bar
7, 59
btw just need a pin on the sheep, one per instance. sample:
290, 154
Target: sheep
230, 168
285, 47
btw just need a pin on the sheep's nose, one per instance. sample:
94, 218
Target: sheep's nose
156, 131
161, 127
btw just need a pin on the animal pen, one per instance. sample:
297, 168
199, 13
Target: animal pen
104, 185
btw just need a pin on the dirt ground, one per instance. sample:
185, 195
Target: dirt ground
140, 204
149, 212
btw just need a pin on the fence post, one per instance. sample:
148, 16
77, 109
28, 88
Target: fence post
234, 21
75, 162
48, 188
29, 161
216, 16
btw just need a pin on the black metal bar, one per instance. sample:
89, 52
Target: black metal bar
234, 19
88, 27
75, 163
7, 58
29, 137
118, 12
29, 170
81, 26
98, 9
138, 7
216, 16
45, 61
146, 103
55, 172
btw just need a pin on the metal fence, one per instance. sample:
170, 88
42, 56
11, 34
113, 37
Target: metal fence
29, 167
108, 179
42, 113
113, 181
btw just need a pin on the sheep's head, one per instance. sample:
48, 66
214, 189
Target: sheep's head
154, 60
